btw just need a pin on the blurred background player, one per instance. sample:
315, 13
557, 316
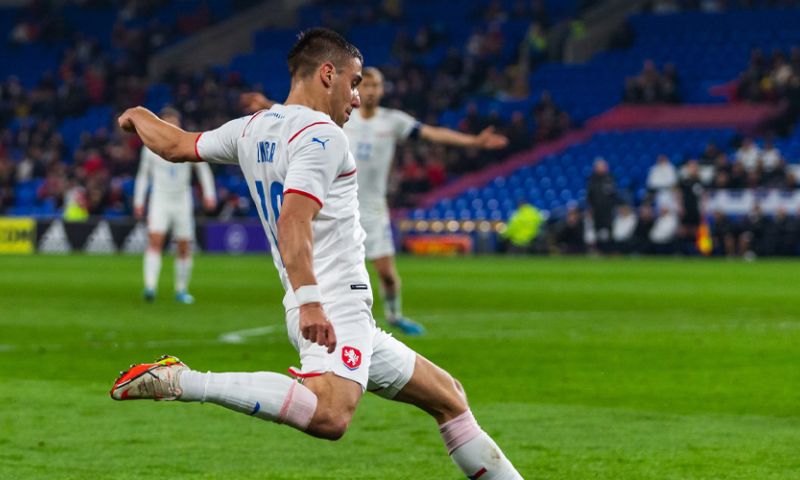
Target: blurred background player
374, 132
171, 207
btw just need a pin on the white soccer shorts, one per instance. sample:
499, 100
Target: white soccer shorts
379, 242
166, 213
364, 353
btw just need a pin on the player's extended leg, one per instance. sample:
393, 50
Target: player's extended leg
183, 271
323, 406
152, 264
392, 298
435, 391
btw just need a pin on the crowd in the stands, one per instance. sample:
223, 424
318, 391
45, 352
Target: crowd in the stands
653, 86
669, 217
89, 74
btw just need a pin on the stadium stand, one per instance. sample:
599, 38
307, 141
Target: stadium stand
465, 69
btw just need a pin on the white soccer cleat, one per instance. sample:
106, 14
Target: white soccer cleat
156, 381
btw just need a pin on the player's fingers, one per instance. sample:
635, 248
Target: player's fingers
331, 339
308, 334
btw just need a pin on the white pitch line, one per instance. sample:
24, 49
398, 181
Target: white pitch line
239, 336
234, 337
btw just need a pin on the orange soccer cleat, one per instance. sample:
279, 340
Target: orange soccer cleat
157, 381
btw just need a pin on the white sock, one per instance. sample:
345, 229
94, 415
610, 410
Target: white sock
266, 395
183, 272
392, 305
152, 269
474, 451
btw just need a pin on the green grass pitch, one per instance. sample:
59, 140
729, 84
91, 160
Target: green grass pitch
580, 369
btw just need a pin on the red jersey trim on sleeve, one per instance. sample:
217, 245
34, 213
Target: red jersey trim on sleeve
196, 151
347, 174
244, 130
305, 194
304, 128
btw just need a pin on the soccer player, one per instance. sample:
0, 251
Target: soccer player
296, 160
171, 207
374, 132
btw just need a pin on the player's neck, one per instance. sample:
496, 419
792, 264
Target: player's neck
366, 112
299, 95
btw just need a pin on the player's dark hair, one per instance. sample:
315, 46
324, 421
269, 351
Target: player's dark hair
317, 46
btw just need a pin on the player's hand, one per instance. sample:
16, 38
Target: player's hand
254, 101
126, 121
209, 204
490, 140
315, 327
138, 213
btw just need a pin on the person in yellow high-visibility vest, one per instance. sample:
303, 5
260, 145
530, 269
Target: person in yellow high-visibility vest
523, 226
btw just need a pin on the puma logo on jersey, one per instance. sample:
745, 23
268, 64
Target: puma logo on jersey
321, 141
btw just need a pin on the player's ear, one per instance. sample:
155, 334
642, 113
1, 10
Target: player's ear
326, 74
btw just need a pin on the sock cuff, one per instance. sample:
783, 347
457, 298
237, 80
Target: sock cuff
298, 408
460, 430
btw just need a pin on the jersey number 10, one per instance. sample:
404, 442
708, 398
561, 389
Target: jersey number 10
275, 200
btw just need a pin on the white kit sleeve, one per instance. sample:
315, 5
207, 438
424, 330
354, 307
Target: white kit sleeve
142, 177
206, 178
220, 145
404, 124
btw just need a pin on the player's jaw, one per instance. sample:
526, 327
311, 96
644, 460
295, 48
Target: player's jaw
345, 95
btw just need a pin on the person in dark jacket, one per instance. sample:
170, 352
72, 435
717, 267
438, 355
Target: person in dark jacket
601, 194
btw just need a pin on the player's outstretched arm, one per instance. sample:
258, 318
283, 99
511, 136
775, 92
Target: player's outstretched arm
296, 244
166, 140
487, 139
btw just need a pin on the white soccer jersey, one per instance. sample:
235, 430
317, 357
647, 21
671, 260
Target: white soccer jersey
294, 149
373, 143
172, 182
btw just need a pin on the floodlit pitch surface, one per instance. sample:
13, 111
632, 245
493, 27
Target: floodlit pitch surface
601, 369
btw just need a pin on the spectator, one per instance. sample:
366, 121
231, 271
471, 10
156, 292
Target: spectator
569, 234
663, 234
518, 133
710, 154
723, 235
624, 229
652, 86
601, 195
752, 234
692, 190
779, 235
641, 235
662, 175
7, 182
535, 45
748, 154
523, 227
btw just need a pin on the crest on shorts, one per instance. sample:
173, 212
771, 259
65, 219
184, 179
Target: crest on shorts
351, 357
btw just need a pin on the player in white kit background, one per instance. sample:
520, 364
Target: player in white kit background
171, 208
301, 175
374, 132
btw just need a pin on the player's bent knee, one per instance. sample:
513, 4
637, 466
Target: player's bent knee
328, 426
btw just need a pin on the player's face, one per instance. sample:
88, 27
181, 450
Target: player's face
371, 91
344, 97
